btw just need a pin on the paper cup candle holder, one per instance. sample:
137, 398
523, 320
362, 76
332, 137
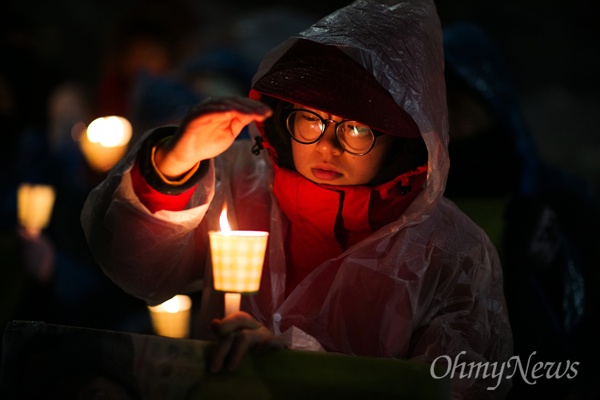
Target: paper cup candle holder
105, 141
172, 318
34, 206
237, 261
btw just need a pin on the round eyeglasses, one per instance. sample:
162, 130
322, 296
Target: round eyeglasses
308, 127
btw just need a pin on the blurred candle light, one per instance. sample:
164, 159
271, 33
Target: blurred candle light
172, 318
237, 261
34, 206
105, 141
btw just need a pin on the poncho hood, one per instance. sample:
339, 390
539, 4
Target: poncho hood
395, 85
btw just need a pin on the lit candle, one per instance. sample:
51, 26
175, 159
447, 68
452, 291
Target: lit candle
105, 141
237, 261
34, 206
172, 318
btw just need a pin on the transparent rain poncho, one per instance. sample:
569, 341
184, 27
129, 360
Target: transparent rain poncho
425, 285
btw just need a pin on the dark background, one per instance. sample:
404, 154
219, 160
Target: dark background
551, 44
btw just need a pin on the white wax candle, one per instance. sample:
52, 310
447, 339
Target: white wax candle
232, 302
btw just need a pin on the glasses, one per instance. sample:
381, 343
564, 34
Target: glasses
308, 127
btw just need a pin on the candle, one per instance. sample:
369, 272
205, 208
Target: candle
105, 141
34, 206
237, 261
172, 318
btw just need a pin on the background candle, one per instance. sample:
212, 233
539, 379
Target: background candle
34, 206
172, 318
106, 141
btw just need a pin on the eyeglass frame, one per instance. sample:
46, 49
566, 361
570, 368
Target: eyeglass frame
335, 130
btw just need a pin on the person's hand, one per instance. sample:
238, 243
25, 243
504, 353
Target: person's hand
238, 333
207, 130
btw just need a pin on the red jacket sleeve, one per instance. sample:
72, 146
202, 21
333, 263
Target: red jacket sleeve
155, 200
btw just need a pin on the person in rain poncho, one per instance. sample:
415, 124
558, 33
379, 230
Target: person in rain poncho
541, 218
365, 256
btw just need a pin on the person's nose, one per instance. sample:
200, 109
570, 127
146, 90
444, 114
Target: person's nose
328, 142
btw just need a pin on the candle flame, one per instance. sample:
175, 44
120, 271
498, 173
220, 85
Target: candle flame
111, 131
225, 228
172, 305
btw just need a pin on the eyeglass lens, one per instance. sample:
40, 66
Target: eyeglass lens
307, 127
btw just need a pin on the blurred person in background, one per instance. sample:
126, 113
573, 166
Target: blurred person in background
49, 277
26, 81
147, 38
543, 220
222, 63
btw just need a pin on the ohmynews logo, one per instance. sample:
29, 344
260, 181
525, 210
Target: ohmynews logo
530, 372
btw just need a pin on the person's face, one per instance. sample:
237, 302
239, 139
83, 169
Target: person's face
326, 162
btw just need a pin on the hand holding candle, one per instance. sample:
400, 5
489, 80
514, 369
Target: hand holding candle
237, 260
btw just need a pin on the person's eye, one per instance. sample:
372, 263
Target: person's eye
357, 130
309, 117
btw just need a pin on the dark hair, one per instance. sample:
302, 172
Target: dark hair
276, 132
